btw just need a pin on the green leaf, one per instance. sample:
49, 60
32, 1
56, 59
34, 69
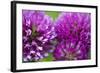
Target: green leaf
53, 14
34, 32
47, 59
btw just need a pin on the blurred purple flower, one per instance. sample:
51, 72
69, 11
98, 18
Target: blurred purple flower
38, 30
73, 35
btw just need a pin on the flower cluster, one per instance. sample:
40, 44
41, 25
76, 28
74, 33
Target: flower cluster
68, 38
73, 33
37, 31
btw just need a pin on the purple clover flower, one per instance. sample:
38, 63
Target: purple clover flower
38, 30
73, 36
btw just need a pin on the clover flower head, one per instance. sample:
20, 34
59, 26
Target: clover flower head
38, 30
74, 36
